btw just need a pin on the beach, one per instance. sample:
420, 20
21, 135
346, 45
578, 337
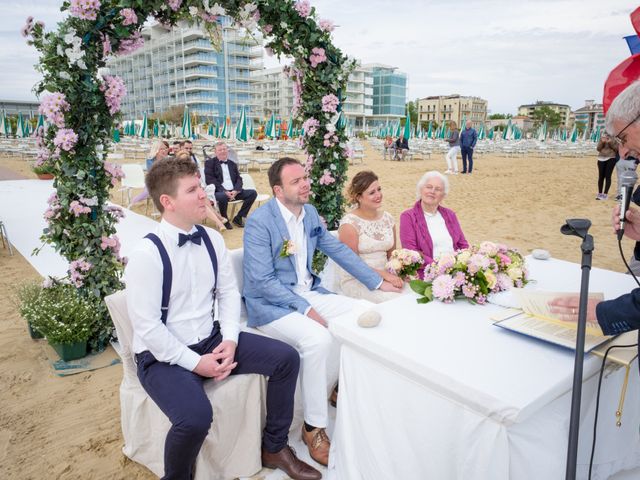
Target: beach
68, 428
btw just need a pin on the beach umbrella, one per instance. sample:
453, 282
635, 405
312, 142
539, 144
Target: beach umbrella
226, 128
341, 122
490, 134
186, 131
542, 135
397, 129
270, 130
290, 128
156, 128
241, 129
217, 130
20, 129
429, 132
5, 126
481, 133
250, 128
40, 122
116, 135
144, 129
574, 134
210, 131
407, 127
506, 135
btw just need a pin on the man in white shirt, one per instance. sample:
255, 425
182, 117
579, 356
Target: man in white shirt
179, 348
283, 296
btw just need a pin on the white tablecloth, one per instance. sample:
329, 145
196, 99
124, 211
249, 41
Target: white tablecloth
436, 391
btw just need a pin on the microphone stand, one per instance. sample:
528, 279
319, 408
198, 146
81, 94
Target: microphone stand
578, 227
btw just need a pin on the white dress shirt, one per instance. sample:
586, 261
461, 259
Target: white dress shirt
190, 318
440, 236
295, 227
226, 176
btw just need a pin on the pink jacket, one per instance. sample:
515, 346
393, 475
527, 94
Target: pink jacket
414, 233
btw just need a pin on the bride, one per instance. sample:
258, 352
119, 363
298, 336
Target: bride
370, 232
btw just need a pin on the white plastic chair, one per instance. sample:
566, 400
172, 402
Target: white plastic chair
232, 447
133, 178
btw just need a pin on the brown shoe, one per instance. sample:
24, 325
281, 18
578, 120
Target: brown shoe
318, 443
287, 461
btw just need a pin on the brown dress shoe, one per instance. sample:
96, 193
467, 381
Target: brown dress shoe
318, 443
287, 461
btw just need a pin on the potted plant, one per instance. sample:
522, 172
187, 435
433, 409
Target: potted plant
43, 169
27, 293
56, 310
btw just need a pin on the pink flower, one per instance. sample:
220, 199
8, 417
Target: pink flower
174, 4
77, 268
129, 15
303, 7
326, 25
106, 45
267, 29
326, 178
110, 242
53, 107
504, 282
317, 56
78, 208
85, 9
348, 152
208, 17
115, 171
444, 287
131, 44
115, 211
310, 126
65, 139
330, 103
28, 27
459, 278
114, 91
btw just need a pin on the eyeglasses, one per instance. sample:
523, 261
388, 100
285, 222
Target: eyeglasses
622, 141
431, 188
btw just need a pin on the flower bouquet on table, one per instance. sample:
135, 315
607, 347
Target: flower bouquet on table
472, 274
405, 263
58, 312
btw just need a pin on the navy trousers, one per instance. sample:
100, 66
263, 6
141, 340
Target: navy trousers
180, 395
467, 152
247, 197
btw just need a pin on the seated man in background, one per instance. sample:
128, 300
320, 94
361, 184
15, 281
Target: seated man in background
174, 278
401, 148
224, 174
188, 146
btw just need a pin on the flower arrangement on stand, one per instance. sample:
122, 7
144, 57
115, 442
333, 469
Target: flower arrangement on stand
55, 310
472, 274
405, 263
81, 100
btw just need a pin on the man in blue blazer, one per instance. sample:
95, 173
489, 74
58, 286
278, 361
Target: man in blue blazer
283, 296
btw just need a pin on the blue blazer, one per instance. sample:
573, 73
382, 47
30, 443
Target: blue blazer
269, 279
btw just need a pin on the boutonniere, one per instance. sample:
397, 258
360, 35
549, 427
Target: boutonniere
288, 248
316, 231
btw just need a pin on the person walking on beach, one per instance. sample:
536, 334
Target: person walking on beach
607, 158
175, 277
468, 139
454, 148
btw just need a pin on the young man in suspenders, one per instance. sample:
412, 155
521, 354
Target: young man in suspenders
174, 278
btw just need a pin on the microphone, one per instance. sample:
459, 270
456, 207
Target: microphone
628, 180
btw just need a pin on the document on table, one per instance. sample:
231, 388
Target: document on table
536, 320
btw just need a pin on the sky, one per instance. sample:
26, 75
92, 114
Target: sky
509, 52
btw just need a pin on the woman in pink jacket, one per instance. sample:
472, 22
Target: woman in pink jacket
428, 227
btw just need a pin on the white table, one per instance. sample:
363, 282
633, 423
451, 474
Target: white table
437, 392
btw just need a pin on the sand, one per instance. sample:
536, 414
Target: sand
69, 428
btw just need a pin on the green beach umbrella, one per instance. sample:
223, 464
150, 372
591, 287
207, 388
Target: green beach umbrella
574, 134
226, 128
116, 135
407, 127
341, 122
156, 128
429, 131
290, 128
241, 129
5, 126
217, 130
40, 122
481, 133
270, 131
250, 128
210, 132
20, 129
144, 129
186, 131
507, 131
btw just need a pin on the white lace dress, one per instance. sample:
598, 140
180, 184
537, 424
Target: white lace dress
375, 238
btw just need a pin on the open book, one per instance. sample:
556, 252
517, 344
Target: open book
536, 320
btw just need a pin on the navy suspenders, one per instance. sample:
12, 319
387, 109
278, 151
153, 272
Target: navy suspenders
167, 271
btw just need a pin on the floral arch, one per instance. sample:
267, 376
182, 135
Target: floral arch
81, 101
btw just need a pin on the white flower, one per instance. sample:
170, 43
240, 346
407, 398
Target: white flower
215, 10
60, 50
193, 11
331, 128
81, 64
284, 25
335, 155
333, 166
64, 75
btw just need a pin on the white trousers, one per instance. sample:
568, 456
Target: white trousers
452, 161
319, 351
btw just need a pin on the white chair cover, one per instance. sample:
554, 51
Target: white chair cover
232, 447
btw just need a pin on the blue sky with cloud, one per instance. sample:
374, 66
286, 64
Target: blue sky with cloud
508, 52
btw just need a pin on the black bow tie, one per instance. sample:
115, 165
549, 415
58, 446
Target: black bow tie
194, 237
